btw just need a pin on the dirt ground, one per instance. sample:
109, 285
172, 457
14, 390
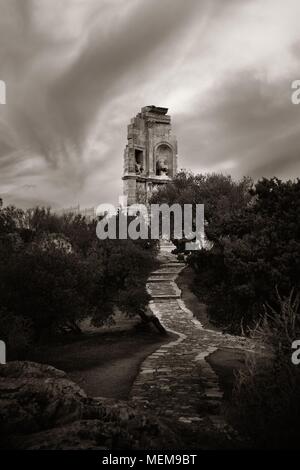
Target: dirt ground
103, 363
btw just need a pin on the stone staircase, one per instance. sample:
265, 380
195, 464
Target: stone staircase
176, 382
166, 246
161, 283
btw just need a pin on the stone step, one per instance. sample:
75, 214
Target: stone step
162, 278
166, 246
175, 263
166, 296
176, 380
170, 270
163, 290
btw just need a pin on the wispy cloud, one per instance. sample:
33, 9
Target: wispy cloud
78, 70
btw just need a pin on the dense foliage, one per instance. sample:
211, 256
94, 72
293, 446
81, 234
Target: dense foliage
54, 272
254, 235
248, 274
265, 402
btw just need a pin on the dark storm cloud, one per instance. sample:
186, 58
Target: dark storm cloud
249, 126
61, 92
107, 59
78, 70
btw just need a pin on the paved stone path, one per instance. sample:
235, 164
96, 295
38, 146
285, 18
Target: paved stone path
176, 381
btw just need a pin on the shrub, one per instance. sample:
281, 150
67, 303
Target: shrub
257, 249
46, 285
16, 332
54, 272
265, 403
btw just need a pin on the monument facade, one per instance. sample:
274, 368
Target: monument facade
150, 157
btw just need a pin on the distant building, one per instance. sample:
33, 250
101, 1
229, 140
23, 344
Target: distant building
150, 157
89, 213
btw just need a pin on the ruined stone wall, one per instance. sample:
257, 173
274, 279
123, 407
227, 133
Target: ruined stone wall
150, 156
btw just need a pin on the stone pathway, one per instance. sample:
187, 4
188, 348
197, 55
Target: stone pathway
176, 381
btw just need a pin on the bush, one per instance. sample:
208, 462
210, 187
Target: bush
16, 332
121, 268
257, 249
265, 403
47, 286
54, 272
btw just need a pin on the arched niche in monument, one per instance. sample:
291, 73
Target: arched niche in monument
139, 161
164, 160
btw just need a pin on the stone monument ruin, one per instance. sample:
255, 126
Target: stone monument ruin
150, 157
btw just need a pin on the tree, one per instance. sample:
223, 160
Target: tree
258, 250
54, 272
255, 242
221, 196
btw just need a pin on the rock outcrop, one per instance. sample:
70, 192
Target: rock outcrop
40, 408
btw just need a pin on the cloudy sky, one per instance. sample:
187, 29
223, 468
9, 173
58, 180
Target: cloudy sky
78, 70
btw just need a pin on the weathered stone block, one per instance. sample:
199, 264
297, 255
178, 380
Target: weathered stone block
150, 157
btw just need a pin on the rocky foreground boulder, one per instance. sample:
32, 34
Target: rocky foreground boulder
40, 408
